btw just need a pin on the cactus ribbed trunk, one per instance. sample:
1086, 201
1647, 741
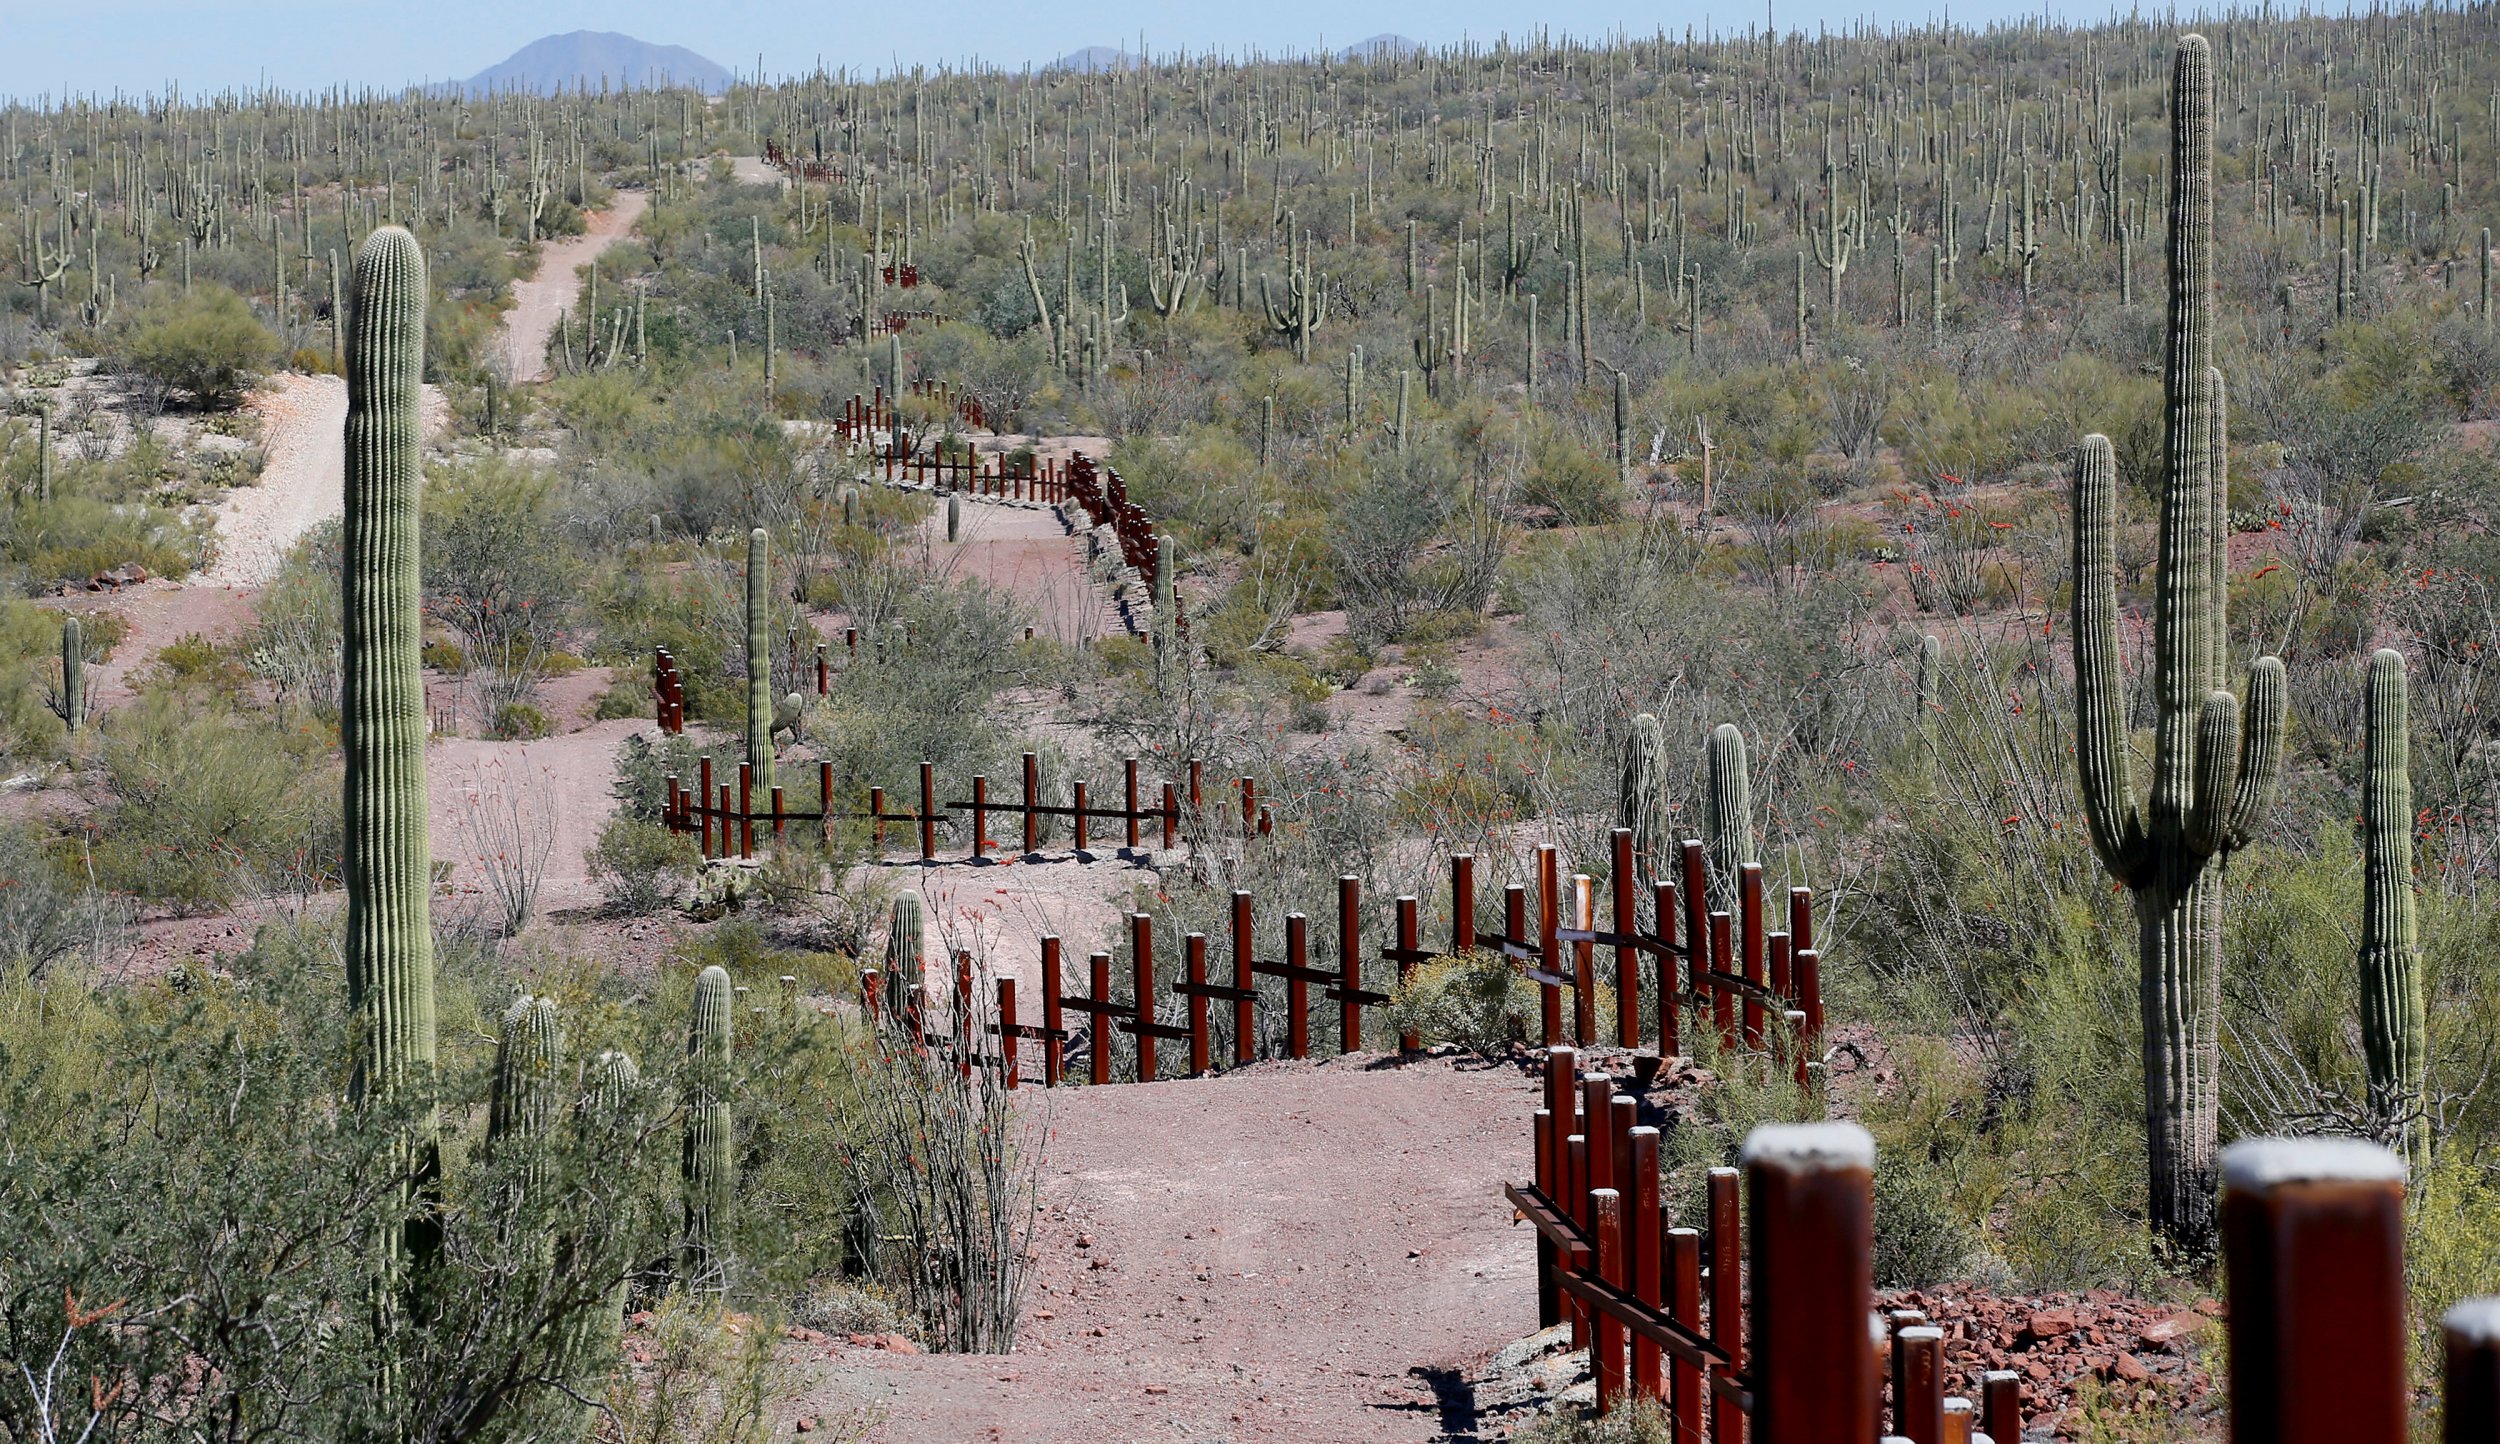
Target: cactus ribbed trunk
760, 659
902, 949
611, 1092
2215, 768
710, 1167
2393, 1026
1728, 815
1641, 801
389, 944
73, 674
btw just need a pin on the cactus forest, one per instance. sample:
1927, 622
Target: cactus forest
673, 748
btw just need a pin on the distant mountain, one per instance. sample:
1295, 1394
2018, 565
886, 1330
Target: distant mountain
1380, 47
1093, 59
567, 62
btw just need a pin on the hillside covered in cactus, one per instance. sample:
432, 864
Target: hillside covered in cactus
668, 750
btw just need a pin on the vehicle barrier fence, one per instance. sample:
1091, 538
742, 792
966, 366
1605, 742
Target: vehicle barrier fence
1560, 955
1769, 1325
724, 815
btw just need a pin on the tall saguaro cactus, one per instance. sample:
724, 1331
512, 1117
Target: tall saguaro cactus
389, 944
73, 673
1728, 814
2214, 767
710, 1164
1641, 802
2393, 1027
760, 659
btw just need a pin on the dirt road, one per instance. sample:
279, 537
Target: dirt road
1303, 1251
539, 303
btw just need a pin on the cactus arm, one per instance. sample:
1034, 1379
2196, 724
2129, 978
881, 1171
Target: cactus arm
2108, 781
2261, 752
2214, 768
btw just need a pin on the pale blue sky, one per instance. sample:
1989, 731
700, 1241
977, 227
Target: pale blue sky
139, 45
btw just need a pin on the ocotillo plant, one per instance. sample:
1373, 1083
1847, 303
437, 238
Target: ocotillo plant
390, 943
2214, 769
2393, 1026
1727, 814
760, 659
710, 1163
1641, 801
73, 702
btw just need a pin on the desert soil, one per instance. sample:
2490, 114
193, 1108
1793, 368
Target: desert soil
1304, 1251
539, 303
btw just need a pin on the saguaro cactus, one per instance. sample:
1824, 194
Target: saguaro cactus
902, 947
2215, 768
73, 673
710, 1168
2392, 1022
1727, 814
389, 944
760, 659
1641, 802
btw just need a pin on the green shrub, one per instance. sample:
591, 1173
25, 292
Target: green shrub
641, 867
207, 343
209, 801
1480, 1002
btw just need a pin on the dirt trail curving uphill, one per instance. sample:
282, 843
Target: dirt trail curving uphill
539, 303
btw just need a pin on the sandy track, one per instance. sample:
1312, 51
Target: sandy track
1294, 1251
303, 428
539, 303
563, 782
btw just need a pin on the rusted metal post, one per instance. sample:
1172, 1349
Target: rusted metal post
1645, 1259
1549, 1184
824, 670
1297, 990
1597, 1095
1410, 942
1583, 961
1957, 1421
960, 1007
2001, 1405
868, 995
1171, 818
1549, 992
1722, 1003
1349, 964
1801, 931
777, 818
1194, 951
704, 781
1576, 1203
1606, 1348
980, 818
1548, 908
1007, 1031
928, 812
2313, 1256
1079, 790
1664, 978
1727, 1297
1100, 1059
1249, 806
1032, 819
1141, 939
824, 799
1749, 911
1918, 1384
1623, 903
1244, 1039
1463, 903
746, 809
1696, 889
729, 810
1128, 774
1783, 976
1054, 1042
1810, 1000
1197, 770
1810, 1191
1689, 1396
2471, 1335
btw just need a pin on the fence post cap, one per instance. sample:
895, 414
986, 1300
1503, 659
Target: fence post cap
1995, 1374
2476, 1321
2258, 1164
1920, 1331
1810, 1147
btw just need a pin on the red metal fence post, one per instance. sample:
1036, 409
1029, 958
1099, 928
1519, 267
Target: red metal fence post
1722, 1003
1664, 976
2471, 1335
1696, 890
1171, 818
876, 824
1749, 910
1410, 942
746, 809
1583, 961
1054, 1045
1032, 819
928, 812
2001, 1404
1100, 1059
1244, 1037
1606, 1347
1463, 903
1727, 1298
1810, 1192
1624, 905
824, 799
980, 818
1007, 1031
1918, 1384
1349, 964
1079, 790
1297, 991
1141, 937
1646, 1259
704, 781
1128, 774
1194, 949
2313, 1256
1683, 1281
777, 818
